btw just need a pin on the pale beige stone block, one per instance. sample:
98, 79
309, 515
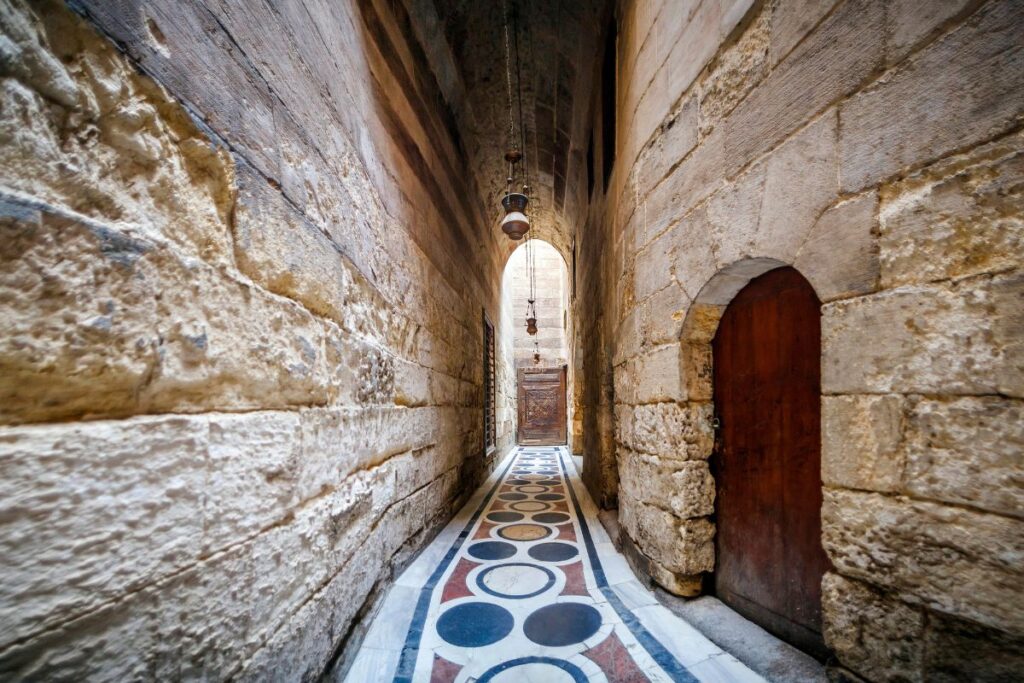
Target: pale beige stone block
956, 218
950, 559
831, 62
862, 442
840, 255
951, 95
872, 633
967, 451
686, 488
801, 181
958, 338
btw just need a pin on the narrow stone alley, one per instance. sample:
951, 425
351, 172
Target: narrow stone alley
525, 585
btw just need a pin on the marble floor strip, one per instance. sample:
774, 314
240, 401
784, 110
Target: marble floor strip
524, 585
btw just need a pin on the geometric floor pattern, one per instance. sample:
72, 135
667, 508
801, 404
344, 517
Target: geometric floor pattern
524, 586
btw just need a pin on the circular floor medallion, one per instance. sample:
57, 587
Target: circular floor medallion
529, 506
543, 496
475, 624
524, 532
515, 496
531, 488
515, 580
491, 550
504, 516
553, 552
550, 518
523, 669
563, 623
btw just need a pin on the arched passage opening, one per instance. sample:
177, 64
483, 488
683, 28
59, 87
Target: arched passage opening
538, 365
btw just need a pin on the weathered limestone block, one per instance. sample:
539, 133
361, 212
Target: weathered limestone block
676, 138
737, 68
950, 95
831, 62
876, 635
686, 488
163, 40
957, 650
81, 129
694, 179
411, 384
653, 267
210, 618
734, 212
862, 442
967, 451
809, 161
668, 430
95, 510
949, 559
657, 377
695, 258
680, 546
910, 22
285, 253
661, 316
956, 218
791, 21
964, 337
111, 323
840, 255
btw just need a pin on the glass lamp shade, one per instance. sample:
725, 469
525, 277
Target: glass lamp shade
515, 225
531, 326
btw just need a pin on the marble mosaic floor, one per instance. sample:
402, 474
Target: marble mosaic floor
524, 585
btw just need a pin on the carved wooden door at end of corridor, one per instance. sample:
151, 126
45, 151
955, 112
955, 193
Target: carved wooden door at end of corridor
541, 409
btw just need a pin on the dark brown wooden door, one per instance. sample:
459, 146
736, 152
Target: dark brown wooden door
541, 406
767, 463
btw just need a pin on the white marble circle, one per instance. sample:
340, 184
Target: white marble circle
534, 672
516, 580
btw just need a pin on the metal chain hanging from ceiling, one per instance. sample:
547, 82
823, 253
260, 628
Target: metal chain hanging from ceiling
515, 224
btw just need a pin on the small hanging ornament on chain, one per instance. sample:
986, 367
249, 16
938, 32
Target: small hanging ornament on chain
531, 317
536, 353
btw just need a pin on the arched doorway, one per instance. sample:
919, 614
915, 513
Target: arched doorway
767, 460
540, 362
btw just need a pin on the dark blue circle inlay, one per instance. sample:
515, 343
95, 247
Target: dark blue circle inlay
547, 584
550, 517
546, 496
577, 673
475, 624
562, 623
504, 516
492, 550
514, 496
553, 552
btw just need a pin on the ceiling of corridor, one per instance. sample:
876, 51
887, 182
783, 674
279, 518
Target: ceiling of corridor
560, 54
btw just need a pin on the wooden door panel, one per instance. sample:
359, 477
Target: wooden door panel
767, 464
541, 410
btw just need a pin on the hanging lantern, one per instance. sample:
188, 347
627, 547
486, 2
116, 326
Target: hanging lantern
531, 317
515, 224
536, 353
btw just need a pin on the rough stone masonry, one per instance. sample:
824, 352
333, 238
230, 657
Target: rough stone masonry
876, 147
239, 360
245, 249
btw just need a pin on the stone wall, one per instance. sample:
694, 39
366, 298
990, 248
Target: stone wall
240, 332
877, 148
